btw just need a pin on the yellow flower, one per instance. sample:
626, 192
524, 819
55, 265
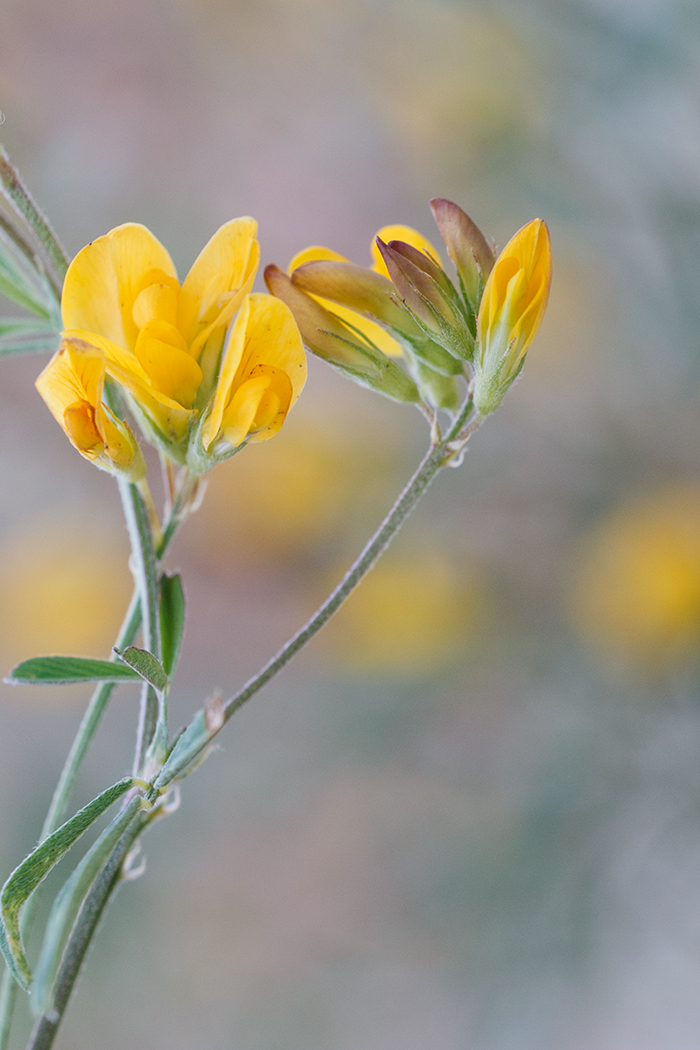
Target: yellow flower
253, 395
71, 385
163, 342
511, 310
635, 593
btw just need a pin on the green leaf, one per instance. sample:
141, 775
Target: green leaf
25, 879
67, 670
21, 326
172, 620
42, 345
190, 747
146, 666
20, 283
68, 903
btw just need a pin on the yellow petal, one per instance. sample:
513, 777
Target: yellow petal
105, 278
74, 374
171, 371
273, 405
259, 407
79, 425
264, 333
71, 384
228, 263
397, 232
167, 415
156, 301
373, 331
314, 254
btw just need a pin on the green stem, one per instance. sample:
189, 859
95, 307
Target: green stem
86, 731
95, 709
8, 996
152, 713
61, 796
102, 889
441, 454
437, 457
143, 561
21, 200
444, 452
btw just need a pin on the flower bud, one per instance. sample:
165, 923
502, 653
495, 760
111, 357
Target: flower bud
373, 296
466, 246
329, 338
429, 295
512, 308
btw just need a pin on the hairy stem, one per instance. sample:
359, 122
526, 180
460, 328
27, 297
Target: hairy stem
102, 889
145, 569
437, 457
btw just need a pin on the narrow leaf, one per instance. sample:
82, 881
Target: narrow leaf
191, 743
25, 879
68, 903
20, 281
67, 670
146, 666
21, 326
42, 345
172, 620
14, 291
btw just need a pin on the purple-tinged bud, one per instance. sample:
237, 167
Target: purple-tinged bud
466, 246
359, 288
428, 293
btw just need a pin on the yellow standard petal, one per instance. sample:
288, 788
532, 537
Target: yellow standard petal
105, 278
221, 276
261, 376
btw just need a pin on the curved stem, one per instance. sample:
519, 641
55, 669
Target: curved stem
429, 467
437, 457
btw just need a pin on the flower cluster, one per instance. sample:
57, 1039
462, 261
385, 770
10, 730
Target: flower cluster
205, 366
407, 307
208, 366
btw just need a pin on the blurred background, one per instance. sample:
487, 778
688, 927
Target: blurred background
468, 817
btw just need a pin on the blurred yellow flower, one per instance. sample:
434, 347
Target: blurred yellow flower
511, 311
71, 385
636, 591
63, 588
293, 500
163, 343
412, 614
